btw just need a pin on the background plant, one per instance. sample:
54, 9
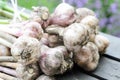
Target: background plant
107, 11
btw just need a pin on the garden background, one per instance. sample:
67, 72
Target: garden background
107, 11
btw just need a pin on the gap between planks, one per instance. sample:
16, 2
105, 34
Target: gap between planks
107, 69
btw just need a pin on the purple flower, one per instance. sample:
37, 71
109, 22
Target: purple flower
69, 1
98, 4
80, 3
83, 1
113, 7
107, 13
111, 19
110, 26
103, 22
77, 3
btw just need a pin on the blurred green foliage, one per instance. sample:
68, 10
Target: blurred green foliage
29, 3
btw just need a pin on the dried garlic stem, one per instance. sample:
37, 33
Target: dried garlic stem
7, 58
5, 42
7, 77
9, 64
1, 79
9, 71
7, 36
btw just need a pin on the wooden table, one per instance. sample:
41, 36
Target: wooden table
108, 68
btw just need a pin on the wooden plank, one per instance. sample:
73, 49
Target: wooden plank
114, 47
75, 74
108, 69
